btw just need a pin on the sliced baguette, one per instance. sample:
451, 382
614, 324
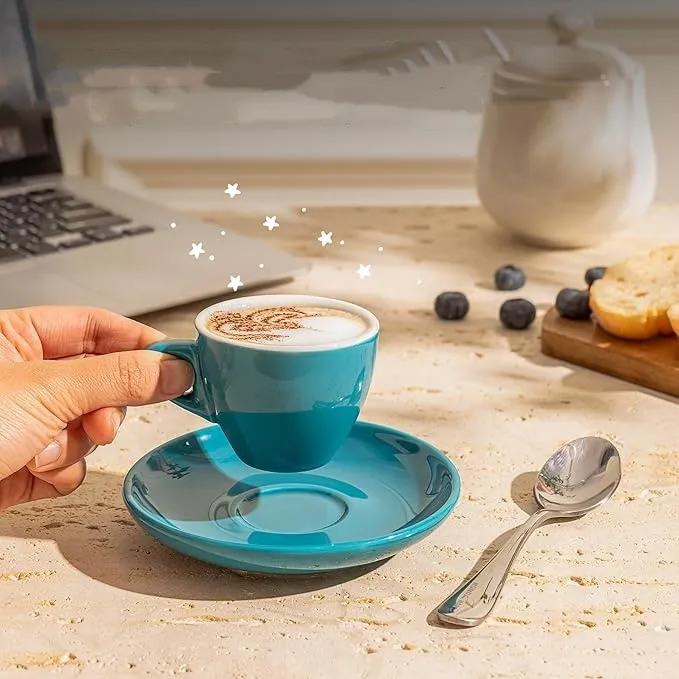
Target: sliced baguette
638, 298
673, 315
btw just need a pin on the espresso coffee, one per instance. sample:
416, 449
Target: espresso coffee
287, 325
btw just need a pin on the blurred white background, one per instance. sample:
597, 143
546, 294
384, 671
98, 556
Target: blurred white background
169, 79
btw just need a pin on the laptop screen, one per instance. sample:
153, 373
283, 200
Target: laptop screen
27, 142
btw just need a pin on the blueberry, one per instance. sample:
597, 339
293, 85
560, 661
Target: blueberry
517, 314
573, 304
451, 306
594, 274
509, 278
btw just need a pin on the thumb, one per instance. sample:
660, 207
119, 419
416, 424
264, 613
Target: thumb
129, 378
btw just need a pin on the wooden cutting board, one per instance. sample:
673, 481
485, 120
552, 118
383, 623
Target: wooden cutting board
653, 364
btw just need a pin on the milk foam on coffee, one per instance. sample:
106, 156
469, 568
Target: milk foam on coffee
287, 325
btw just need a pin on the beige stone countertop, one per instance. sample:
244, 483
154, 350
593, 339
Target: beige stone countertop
86, 593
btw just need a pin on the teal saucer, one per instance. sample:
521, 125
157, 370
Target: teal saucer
382, 492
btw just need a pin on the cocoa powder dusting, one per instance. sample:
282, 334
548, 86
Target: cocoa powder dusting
261, 324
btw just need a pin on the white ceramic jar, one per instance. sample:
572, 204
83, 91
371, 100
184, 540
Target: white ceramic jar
566, 156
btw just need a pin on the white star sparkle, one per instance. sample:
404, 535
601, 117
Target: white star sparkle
303, 209
363, 271
235, 283
325, 238
173, 225
196, 250
270, 223
232, 190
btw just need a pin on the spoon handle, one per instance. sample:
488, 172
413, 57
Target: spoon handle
471, 603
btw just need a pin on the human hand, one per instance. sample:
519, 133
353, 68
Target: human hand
66, 376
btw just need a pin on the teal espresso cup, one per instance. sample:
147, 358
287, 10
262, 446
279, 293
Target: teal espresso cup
284, 376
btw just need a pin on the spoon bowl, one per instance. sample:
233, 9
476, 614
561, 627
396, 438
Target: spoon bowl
578, 477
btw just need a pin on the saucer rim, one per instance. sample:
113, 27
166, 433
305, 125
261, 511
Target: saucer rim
399, 535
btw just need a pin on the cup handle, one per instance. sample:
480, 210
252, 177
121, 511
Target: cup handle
196, 401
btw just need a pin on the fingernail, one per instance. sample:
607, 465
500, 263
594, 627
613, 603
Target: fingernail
116, 420
176, 377
48, 456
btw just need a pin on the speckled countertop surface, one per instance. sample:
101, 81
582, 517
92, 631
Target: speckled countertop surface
86, 593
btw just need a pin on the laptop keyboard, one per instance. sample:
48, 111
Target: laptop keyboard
49, 220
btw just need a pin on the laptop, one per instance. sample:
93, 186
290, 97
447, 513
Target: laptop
73, 241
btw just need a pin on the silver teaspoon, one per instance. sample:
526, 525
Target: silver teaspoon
579, 477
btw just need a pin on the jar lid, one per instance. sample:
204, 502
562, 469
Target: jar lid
572, 60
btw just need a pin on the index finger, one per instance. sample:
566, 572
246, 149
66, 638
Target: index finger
70, 331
